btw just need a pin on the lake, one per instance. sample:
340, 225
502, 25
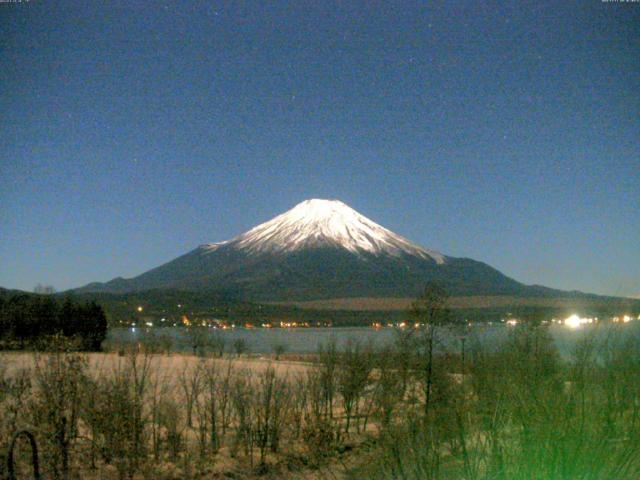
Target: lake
307, 340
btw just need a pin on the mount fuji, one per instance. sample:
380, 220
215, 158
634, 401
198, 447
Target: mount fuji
320, 249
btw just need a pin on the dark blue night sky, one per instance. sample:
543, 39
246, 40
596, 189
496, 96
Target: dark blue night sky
131, 132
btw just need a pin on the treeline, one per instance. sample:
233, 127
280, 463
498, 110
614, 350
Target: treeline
122, 310
29, 321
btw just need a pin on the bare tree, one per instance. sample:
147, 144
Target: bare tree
279, 349
56, 407
198, 339
218, 343
191, 384
240, 346
353, 377
44, 289
430, 312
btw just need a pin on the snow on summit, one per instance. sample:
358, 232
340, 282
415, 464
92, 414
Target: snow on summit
318, 222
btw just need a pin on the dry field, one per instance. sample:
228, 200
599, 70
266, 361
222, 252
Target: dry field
170, 366
195, 417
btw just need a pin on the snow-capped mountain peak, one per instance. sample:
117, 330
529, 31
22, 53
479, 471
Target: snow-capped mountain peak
317, 222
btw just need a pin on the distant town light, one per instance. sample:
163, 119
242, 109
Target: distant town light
139, 309
572, 321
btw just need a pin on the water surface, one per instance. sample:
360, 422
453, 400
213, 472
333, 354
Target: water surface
307, 340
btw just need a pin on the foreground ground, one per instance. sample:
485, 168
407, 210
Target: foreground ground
175, 378
511, 410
